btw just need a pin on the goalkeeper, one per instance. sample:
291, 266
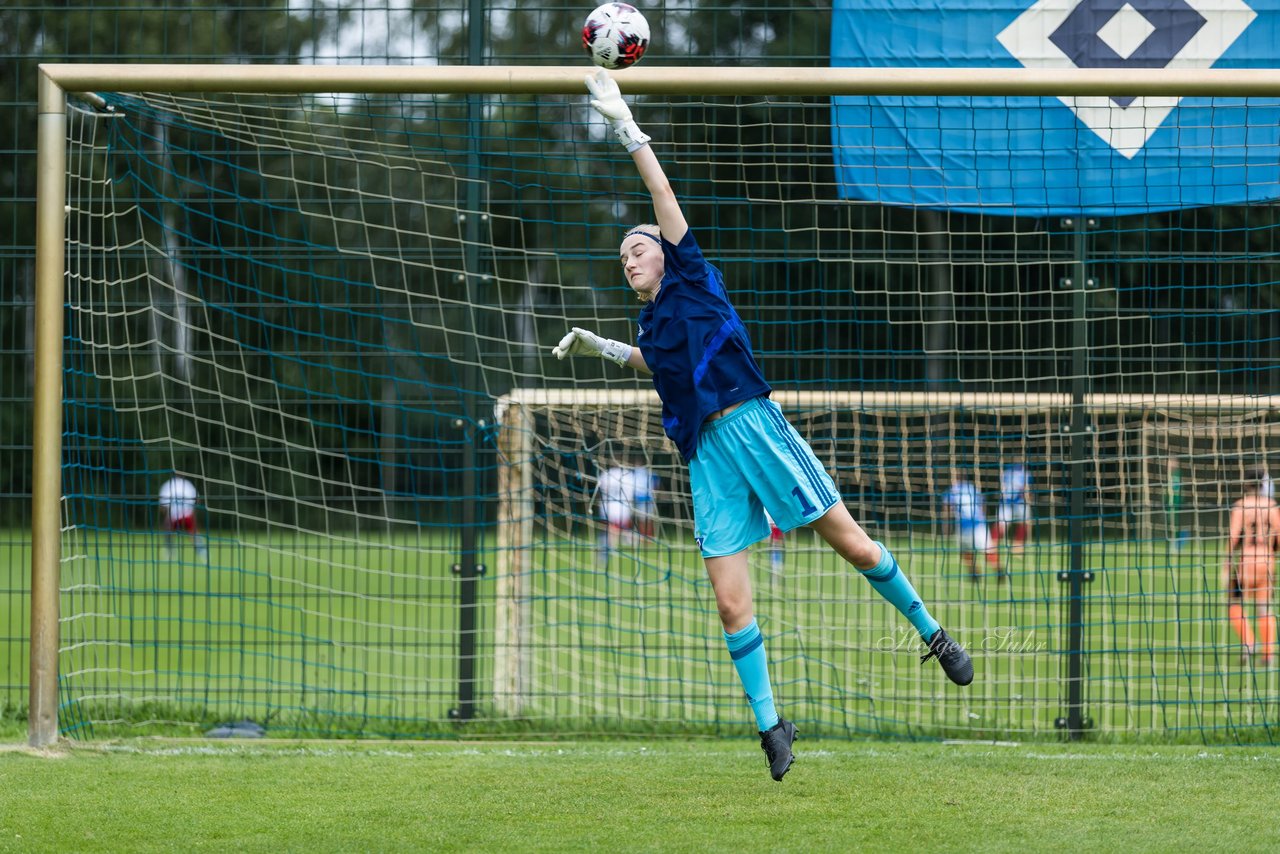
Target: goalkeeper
742, 453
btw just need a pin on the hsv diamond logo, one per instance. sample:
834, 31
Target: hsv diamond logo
1027, 156
1125, 34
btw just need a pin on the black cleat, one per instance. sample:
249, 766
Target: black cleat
955, 662
776, 744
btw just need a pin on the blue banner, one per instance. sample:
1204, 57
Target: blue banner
1044, 156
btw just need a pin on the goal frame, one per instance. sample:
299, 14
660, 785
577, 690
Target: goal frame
56, 80
515, 415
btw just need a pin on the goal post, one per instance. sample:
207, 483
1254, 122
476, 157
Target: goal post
312, 371
649, 80
46, 480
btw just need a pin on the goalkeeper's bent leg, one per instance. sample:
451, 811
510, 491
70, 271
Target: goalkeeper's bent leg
888, 579
876, 564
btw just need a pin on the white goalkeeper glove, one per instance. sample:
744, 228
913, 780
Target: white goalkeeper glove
607, 101
580, 342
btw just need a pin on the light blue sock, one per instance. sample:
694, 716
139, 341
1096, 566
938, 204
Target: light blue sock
891, 583
746, 646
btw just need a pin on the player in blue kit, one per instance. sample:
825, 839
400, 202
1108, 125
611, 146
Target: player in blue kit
1015, 506
967, 507
743, 454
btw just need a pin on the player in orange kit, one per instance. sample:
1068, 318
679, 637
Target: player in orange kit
1248, 569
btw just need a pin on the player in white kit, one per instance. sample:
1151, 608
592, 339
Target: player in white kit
178, 514
1014, 514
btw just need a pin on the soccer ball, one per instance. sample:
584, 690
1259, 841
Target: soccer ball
615, 35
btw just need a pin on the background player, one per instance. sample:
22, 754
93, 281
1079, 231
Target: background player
617, 492
776, 545
964, 503
742, 453
1248, 571
644, 513
1176, 534
1015, 506
178, 514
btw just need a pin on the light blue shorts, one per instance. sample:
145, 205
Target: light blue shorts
748, 461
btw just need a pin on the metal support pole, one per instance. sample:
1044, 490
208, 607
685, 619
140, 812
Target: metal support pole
468, 568
1077, 286
46, 490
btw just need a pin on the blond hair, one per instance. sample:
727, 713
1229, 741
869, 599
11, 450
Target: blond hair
647, 228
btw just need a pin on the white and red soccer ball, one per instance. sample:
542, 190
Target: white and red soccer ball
615, 35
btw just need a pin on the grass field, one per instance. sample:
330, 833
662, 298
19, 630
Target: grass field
702, 795
347, 635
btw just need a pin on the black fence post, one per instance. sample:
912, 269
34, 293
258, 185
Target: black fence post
468, 568
1080, 430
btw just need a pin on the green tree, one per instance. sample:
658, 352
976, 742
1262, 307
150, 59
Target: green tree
62, 31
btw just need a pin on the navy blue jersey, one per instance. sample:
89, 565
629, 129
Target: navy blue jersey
696, 345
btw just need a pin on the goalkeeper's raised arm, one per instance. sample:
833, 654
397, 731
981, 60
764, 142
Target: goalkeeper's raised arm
606, 98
